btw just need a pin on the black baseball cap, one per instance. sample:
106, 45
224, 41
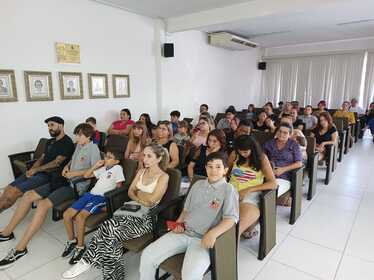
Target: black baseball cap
55, 119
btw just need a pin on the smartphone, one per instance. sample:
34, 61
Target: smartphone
130, 207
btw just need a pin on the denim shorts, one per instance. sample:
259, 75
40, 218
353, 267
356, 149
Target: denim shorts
25, 184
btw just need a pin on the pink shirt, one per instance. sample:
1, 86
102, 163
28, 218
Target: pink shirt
122, 125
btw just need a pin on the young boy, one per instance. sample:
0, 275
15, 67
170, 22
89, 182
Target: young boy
211, 208
110, 176
174, 119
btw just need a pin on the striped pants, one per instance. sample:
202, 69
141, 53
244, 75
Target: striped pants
105, 249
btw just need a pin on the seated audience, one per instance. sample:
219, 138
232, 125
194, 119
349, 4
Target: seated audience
203, 109
296, 122
151, 127
280, 105
165, 138
263, 123
286, 109
269, 110
297, 135
322, 107
57, 154
251, 114
86, 154
295, 105
183, 136
138, 139
308, 119
196, 233
123, 125
345, 113
245, 128
370, 119
250, 174
174, 119
230, 121
96, 134
109, 176
284, 155
355, 108
216, 143
105, 250
200, 132
325, 133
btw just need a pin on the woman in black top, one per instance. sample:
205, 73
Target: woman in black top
260, 124
325, 133
216, 142
164, 137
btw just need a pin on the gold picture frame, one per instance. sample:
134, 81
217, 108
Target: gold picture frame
121, 86
71, 85
38, 85
98, 85
8, 88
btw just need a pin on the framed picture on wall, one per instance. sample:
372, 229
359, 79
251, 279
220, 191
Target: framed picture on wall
98, 85
71, 85
8, 90
121, 85
38, 86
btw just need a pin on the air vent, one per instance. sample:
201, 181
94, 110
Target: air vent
230, 41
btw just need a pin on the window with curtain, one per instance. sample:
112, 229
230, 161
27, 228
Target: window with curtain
368, 95
334, 78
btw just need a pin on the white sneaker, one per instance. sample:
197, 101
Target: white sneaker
76, 270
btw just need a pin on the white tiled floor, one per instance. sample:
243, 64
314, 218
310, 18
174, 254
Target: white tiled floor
333, 239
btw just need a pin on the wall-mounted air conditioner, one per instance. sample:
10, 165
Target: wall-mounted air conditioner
229, 41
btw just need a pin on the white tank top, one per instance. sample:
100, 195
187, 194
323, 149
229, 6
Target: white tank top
147, 188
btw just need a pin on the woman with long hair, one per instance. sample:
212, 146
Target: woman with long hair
138, 139
105, 250
250, 174
164, 137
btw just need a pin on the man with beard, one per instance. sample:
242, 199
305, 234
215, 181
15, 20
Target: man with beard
57, 154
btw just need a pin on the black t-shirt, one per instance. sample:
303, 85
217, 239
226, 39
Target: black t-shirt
63, 147
263, 127
324, 137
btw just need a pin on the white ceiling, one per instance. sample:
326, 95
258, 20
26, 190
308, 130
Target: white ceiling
169, 8
314, 25
294, 26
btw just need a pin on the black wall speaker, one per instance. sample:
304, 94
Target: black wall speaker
262, 65
168, 50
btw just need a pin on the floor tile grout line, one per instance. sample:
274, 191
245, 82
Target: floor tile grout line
316, 244
37, 267
298, 269
348, 238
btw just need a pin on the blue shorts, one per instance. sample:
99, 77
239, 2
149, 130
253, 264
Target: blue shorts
90, 202
25, 184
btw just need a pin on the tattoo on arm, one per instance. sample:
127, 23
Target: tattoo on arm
52, 164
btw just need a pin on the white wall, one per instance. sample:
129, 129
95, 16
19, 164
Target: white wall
200, 73
111, 40
321, 47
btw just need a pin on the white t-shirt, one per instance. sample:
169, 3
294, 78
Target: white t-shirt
357, 110
107, 179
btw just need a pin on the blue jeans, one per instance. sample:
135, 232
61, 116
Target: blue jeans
195, 263
25, 184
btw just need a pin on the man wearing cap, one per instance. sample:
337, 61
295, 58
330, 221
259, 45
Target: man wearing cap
57, 154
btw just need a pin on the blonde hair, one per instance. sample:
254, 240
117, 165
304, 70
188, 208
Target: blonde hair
169, 127
162, 153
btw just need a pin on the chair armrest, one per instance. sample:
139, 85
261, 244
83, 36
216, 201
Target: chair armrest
30, 163
158, 209
23, 154
116, 198
75, 181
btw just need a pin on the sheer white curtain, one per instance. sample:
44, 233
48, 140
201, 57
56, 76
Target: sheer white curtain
369, 83
333, 78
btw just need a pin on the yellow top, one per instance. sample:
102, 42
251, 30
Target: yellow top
344, 114
243, 177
